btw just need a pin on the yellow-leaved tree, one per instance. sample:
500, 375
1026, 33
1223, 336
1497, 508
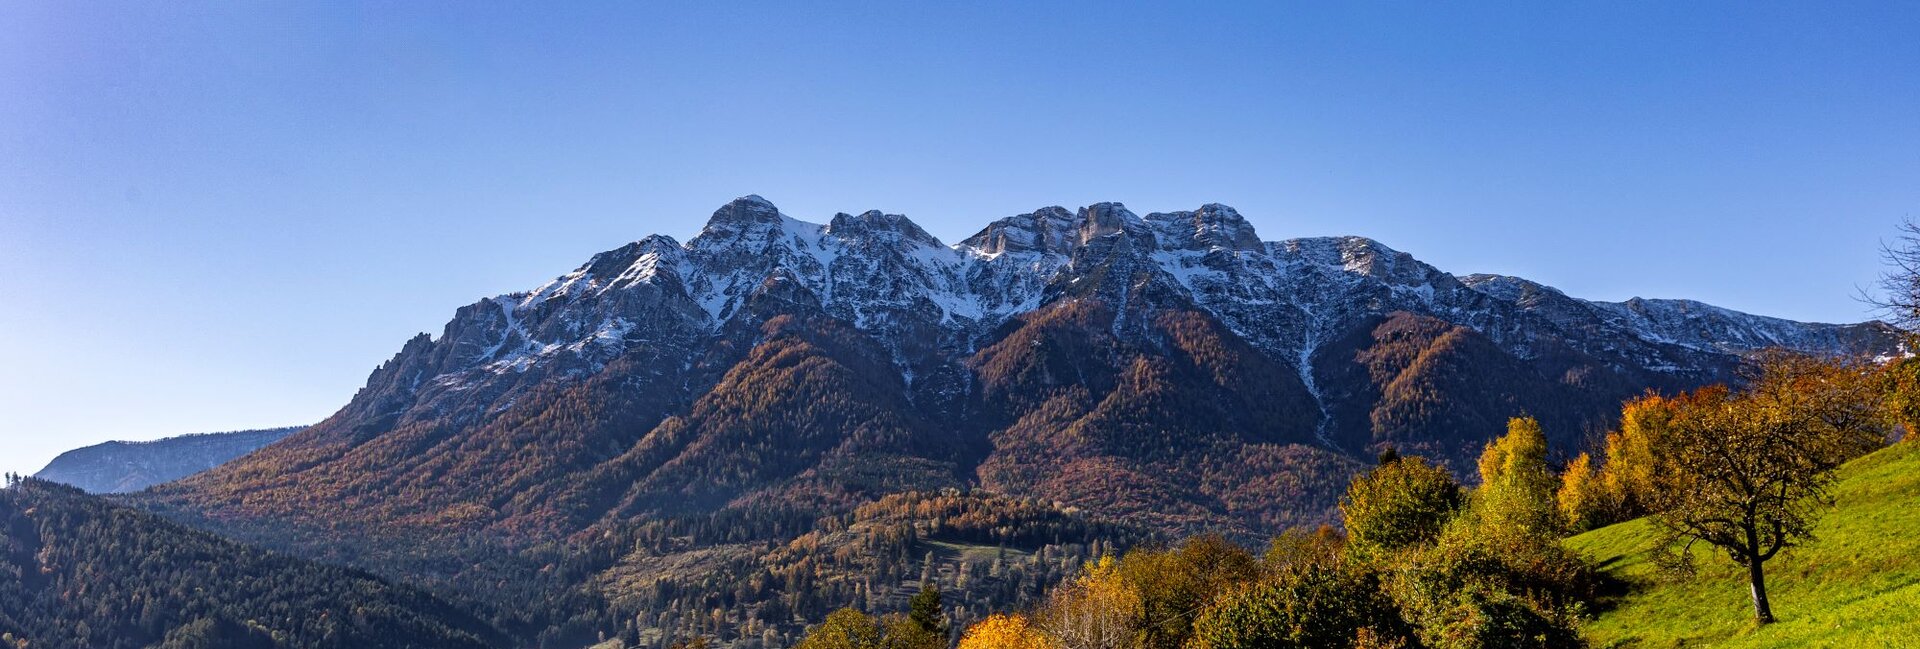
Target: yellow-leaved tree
1402, 504
1515, 498
1097, 610
1002, 631
1583, 497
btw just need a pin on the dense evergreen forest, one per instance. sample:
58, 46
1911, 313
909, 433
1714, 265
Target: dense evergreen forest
77, 571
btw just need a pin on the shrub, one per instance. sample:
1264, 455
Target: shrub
1318, 607
1398, 505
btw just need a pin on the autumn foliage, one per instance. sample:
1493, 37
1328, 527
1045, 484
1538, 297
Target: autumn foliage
1744, 470
1003, 631
1424, 562
1400, 504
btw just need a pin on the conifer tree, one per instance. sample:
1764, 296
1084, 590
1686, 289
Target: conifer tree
924, 610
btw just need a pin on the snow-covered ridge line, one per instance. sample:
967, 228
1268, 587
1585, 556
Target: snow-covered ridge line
889, 277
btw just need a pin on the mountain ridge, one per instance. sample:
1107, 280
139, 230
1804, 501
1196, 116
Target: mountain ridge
126, 466
966, 281
1170, 374
677, 315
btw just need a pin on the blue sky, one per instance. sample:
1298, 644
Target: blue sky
222, 215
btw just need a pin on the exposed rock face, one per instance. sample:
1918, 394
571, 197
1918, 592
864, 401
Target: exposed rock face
122, 467
1171, 368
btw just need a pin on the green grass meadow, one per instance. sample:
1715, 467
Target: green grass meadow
1856, 585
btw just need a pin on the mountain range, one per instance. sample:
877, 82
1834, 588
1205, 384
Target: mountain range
1164, 374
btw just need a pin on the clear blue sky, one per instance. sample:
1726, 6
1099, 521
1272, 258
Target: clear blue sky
222, 215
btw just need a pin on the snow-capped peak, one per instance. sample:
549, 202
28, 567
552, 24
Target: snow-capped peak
1045, 230
886, 275
1212, 226
740, 217
877, 225
1105, 219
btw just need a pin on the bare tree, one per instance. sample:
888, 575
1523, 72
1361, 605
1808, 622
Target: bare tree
1898, 297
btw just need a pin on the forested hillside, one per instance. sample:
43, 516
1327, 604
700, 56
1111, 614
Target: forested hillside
79, 572
1423, 563
1794, 460
681, 439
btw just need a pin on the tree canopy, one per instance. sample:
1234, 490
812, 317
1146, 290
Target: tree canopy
1399, 504
1748, 470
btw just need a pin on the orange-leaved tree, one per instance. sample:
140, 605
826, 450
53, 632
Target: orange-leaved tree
1747, 471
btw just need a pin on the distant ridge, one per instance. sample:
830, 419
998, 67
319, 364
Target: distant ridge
122, 467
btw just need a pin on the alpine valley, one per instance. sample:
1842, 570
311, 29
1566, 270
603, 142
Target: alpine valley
735, 435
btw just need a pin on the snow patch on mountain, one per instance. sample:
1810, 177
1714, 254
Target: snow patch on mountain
889, 277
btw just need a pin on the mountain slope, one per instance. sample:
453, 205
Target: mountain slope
1170, 372
1856, 584
121, 467
77, 571
1410, 374
810, 419
531, 409
1178, 425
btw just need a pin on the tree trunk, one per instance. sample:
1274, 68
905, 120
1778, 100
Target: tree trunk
1757, 583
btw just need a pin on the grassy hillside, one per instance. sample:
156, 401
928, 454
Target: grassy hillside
1857, 585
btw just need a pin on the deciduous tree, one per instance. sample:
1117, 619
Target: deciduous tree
1747, 471
1175, 585
1000, 631
1582, 497
1399, 504
1097, 610
1316, 607
1515, 498
1899, 295
847, 628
